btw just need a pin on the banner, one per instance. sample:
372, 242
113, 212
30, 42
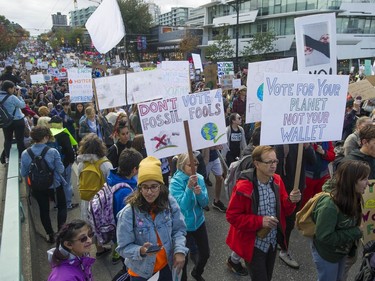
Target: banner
368, 213
255, 78
316, 44
162, 123
300, 108
80, 84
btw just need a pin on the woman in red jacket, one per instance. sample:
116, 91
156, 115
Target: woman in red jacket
256, 213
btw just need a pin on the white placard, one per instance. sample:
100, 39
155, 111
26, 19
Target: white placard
28, 65
80, 84
255, 78
110, 91
206, 118
145, 86
236, 83
162, 127
37, 79
316, 44
197, 61
176, 79
300, 108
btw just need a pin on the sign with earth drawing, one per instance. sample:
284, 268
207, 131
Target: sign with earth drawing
206, 118
368, 213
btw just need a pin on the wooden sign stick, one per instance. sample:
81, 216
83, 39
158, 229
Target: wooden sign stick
190, 147
298, 167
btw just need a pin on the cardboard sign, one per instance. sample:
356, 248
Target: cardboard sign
300, 108
80, 84
362, 88
227, 82
255, 78
371, 79
316, 44
210, 76
368, 213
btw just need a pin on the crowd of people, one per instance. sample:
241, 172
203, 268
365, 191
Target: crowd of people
159, 204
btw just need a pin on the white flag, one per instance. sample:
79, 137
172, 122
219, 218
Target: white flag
106, 26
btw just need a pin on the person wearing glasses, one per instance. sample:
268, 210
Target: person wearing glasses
236, 139
151, 229
70, 260
256, 214
191, 194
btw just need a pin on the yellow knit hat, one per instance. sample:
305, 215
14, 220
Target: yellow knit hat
150, 170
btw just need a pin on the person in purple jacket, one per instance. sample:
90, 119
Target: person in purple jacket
70, 259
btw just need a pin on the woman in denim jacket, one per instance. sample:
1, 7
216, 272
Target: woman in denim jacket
40, 136
151, 218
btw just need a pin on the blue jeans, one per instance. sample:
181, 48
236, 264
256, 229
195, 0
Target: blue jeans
164, 275
68, 188
328, 271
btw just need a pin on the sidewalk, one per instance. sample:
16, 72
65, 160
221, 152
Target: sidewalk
102, 269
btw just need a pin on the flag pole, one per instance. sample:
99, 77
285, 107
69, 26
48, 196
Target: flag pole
126, 72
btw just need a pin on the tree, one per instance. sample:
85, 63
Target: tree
221, 50
10, 35
188, 44
262, 43
136, 17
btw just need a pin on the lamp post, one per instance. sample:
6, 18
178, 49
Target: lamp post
236, 7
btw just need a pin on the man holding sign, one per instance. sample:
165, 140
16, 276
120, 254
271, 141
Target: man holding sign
256, 213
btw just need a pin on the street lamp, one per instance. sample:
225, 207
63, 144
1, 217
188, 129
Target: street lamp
236, 7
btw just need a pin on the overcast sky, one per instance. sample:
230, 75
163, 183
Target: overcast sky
35, 15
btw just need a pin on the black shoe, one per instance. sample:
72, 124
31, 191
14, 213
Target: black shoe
237, 268
207, 208
219, 205
196, 276
208, 182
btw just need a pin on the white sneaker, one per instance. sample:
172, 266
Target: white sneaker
286, 257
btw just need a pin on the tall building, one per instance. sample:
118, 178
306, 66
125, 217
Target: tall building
59, 20
154, 11
176, 17
78, 18
355, 24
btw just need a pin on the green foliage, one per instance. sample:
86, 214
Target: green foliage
221, 50
10, 35
136, 16
262, 43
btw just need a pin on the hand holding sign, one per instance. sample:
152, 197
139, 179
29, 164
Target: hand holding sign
295, 195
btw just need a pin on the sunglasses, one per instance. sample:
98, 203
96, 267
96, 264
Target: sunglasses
84, 238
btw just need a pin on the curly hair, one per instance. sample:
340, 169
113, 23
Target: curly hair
38, 133
92, 144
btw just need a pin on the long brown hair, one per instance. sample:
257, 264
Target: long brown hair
344, 187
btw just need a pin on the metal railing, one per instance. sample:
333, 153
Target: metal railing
10, 251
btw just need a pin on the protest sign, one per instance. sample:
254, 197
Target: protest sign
227, 82
28, 65
176, 79
110, 91
210, 76
162, 127
299, 108
371, 79
144, 86
206, 118
80, 84
368, 67
197, 61
362, 88
236, 83
225, 68
37, 79
255, 78
316, 44
368, 213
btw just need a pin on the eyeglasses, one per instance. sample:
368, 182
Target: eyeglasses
195, 164
146, 188
270, 162
84, 238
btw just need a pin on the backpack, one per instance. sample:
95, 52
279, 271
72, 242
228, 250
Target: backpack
304, 219
40, 176
91, 179
367, 270
100, 212
234, 172
5, 117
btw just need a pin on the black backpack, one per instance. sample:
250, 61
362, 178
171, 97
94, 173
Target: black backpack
40, 176
5, 117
